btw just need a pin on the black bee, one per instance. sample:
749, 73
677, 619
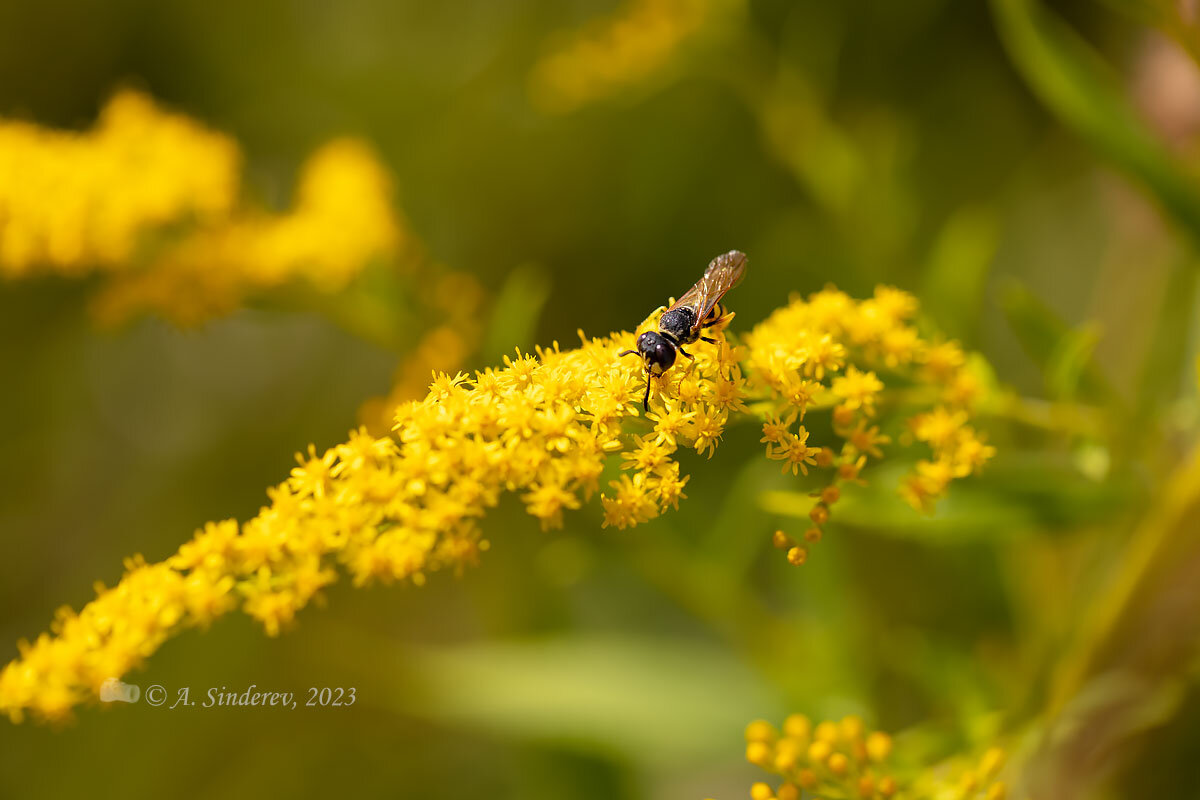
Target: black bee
699, 308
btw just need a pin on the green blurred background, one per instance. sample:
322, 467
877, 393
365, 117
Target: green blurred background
852, 143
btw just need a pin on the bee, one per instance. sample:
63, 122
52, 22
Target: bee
681, 324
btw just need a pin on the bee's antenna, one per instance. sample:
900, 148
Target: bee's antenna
627, 353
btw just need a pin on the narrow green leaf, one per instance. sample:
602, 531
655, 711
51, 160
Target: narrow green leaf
637, 697
1167, 370
1069, 360
1063, 354
1074, 82
1018, 495
516, 311
956, 273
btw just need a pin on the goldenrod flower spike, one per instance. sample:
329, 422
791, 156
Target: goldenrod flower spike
76, 202
543, 426
394, 507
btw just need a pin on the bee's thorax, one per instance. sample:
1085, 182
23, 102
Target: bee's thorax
678, 322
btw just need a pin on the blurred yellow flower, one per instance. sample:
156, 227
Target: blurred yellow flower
612, 54
76, 202
152, 198
342, 219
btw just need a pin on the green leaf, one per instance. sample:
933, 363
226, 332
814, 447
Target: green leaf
645, 699
1069, 360
1167, 370
1077, 86
375, 306
516, 311
1065, 355
956, 273
1019, 494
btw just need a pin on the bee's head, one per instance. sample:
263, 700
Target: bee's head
656, 350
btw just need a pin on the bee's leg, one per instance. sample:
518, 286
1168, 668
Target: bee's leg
686, 353
646, 399
706, 339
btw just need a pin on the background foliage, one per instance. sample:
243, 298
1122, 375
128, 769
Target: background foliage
1029, 172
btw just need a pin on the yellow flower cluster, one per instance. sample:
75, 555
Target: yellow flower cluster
831, 759
152, 198
828, 352
398, 506
614, 53
843, 760
341, 219
75, 202
957, 449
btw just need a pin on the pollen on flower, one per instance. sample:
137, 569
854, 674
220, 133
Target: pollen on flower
775, 431
673, 421
707, 427
647, 455
795, 453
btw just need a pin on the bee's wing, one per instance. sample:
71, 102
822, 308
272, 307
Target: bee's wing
694, 297
723, 273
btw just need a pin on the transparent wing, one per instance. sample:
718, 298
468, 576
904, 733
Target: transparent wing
724, 272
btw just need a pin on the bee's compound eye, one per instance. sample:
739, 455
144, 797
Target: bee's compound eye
656, 350
645, 344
